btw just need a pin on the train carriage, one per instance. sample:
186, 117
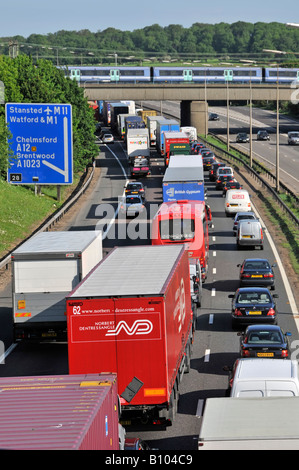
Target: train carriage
109, 74
207, 74
285, 75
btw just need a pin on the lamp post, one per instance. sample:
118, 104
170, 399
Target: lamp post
277, 116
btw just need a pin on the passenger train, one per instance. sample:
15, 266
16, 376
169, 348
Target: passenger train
97, 74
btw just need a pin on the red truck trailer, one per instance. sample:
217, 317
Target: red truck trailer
63, 412
176, 143
132, 316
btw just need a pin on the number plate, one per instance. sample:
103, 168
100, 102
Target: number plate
265, 354
257, 312
257, 275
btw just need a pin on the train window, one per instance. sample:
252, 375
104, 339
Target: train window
283, 73
130, 72
94, 72
243, 73
171, 73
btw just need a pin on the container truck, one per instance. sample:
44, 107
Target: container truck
116, 109
151, 124
143, 113
165, 125
121, 124
175, 143
133, 122
250, 424
44, 269
61, 412
183, 183
137, 144
132, 315
191, 132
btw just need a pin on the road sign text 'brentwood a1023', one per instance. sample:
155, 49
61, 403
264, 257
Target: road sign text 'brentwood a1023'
42, 143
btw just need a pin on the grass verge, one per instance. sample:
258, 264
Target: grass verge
21, 211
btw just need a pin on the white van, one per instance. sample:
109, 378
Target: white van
237, 200
258, 377
250, 233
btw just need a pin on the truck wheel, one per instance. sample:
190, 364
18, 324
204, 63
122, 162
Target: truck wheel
188, 359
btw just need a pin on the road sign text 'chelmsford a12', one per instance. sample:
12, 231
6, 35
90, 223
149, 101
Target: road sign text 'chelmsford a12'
42, 143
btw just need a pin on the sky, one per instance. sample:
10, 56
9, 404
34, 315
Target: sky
26, 17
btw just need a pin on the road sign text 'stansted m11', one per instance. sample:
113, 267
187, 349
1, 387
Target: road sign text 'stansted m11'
42, 142
132, 315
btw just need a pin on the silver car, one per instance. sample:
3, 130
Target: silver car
132, 206
293, 138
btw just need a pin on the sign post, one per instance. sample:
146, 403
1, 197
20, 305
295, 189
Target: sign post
42, 143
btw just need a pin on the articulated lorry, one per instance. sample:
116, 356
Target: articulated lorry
163, 126
183, 183
255, 423
44, 269
132, 315
151, 124
175, 143
137, 144
61, 412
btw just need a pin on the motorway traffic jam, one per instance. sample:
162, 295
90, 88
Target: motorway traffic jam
132, 318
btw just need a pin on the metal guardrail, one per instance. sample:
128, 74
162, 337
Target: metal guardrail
52, 219
229, 157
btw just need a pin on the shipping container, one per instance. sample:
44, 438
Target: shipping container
61, 412
132, 315
44, 269
164, 126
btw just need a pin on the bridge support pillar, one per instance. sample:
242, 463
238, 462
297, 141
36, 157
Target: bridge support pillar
195, 113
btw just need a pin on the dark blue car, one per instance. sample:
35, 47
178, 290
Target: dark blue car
264, 341
253, 305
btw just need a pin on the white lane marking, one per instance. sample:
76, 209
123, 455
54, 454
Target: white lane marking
214, 253
207, 355
214, 270
211, 319
285, 280
7, 352
213, 292
117, 209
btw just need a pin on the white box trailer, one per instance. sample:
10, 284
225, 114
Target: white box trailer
191, 132
137, 143
250, 424
151, 124
44, 270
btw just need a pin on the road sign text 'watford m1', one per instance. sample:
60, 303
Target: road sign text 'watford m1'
42, 143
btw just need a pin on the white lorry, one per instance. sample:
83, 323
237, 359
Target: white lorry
45, 269
137, 143
250, 424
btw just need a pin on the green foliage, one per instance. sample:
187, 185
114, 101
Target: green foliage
42, 82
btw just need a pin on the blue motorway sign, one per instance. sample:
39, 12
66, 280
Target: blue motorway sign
42, 143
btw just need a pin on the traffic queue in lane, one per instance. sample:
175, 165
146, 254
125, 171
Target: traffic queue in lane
252, 304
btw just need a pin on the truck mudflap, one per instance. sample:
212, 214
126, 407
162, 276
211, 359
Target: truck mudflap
162, 414
40, 332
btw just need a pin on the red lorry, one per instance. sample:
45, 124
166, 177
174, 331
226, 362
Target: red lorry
132, 315
62, 412
176, 143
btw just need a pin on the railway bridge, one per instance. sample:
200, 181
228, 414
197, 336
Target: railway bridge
192, 97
